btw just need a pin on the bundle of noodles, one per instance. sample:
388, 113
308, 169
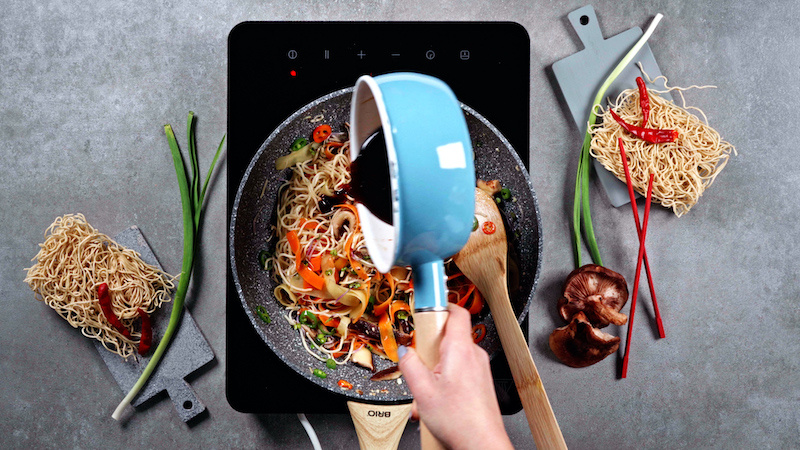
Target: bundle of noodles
682, 169
74, 260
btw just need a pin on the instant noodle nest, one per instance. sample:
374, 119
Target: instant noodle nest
74, 260
682, 169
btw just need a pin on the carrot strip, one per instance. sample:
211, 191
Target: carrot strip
352, 209
638, 273
387, 337
477, 302
353, 263
306, 224
363, 307
302, 266
294, 241
659, 323
380, 309
397, 306
315, 262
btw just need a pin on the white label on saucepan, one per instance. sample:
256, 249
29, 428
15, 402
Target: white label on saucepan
451, 156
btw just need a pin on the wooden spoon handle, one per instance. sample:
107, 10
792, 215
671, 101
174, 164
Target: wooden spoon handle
429, 327
542, 421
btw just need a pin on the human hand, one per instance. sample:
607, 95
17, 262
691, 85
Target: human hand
456, 399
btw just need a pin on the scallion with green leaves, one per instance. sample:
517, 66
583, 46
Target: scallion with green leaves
192, 197
580, 207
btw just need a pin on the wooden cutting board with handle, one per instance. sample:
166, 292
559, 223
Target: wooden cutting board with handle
579, 76
188, 351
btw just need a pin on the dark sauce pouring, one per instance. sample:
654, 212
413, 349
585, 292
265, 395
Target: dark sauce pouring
370, 183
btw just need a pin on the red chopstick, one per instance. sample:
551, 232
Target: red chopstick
659, 323
639, 260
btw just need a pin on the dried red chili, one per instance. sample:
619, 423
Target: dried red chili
651, 135
644, 100
147, 332
105, 305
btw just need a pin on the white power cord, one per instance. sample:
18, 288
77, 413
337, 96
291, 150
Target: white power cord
310, 431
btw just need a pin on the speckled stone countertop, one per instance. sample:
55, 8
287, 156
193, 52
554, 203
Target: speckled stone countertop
85, 90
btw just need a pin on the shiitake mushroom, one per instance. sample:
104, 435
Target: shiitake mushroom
592, 298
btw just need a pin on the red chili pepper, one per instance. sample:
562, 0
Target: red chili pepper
478, 332
321, 133
105, 304
147, 332
651, 135
489, 227
644, 100
344, 384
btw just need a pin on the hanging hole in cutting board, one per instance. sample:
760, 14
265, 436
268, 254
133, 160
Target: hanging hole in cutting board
584, 20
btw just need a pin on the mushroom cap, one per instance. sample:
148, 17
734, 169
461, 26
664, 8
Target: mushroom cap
596, 291
579, 344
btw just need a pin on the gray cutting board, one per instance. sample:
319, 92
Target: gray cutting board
188, 351
579, 76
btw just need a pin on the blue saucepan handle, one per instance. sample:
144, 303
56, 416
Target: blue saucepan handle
430, 284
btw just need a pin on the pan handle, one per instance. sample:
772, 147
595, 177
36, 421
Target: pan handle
429, 326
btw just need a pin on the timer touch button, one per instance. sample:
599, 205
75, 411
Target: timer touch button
430, 54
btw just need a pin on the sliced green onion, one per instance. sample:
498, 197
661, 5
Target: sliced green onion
192, 207
505, 193
319, 373
474, 223
263, 314
402, 315
263, 257
298, 144
580, 205
309, 318
330, 363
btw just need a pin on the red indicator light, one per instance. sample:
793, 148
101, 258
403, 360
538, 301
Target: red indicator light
293, 73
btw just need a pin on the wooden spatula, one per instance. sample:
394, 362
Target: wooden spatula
483, 261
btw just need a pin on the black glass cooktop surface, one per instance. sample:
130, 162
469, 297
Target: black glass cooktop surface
275, 68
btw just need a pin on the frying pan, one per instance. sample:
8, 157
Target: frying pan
251, 231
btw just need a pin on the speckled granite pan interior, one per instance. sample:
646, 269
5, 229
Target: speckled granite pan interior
254, 213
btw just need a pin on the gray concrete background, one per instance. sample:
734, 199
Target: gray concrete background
85, 88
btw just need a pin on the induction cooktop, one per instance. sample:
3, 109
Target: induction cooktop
275, 68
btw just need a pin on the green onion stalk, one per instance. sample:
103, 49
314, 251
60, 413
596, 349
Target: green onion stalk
192, 205
581, 200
